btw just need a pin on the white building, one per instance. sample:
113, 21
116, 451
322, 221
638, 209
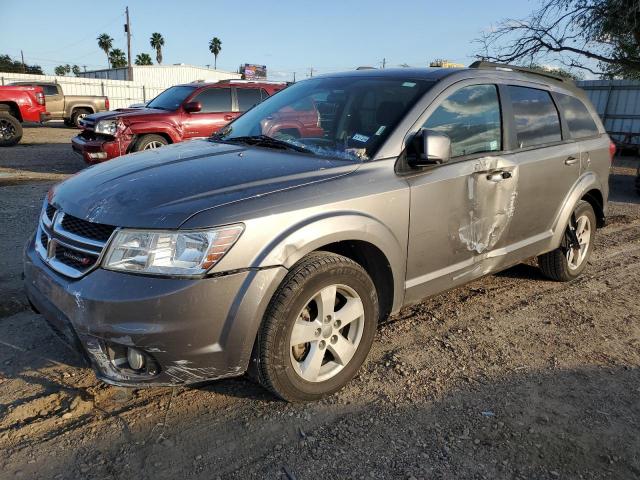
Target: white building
148, 81
162, 76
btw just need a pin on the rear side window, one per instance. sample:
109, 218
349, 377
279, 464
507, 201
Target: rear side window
536, 116
471, 119
247, 98
214, 100
49, 89
578, 118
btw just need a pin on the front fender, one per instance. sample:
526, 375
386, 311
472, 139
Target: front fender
169, 129
316, 232
586, 182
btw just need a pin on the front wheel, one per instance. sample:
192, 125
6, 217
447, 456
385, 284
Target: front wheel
10, 130
318, 328
149, 142
567, 262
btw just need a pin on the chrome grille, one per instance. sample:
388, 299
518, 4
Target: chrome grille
94, 231
70, 245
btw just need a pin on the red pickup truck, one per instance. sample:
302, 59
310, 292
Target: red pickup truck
19, 104
182, 112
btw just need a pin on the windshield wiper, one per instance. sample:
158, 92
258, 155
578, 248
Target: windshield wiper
267, 141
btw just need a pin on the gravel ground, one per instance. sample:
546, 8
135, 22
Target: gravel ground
511, 376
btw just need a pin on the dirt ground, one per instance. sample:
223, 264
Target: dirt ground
512, 376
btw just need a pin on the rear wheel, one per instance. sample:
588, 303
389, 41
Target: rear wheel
77, 115
567, 262
149, 142
10, 130
318, 328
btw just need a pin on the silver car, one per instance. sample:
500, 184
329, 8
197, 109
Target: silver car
277, 246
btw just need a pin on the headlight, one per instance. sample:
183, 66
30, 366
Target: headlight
190, 252
107, 127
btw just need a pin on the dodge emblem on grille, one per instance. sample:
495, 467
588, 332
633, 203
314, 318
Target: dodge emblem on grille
77, 258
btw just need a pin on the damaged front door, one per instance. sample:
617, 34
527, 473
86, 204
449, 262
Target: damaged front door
461, 210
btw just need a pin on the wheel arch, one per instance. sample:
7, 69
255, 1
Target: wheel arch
164, 130
357, 236
587, 188
12, 109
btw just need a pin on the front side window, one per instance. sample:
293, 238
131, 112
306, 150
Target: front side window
339, 117
470, 117
214, 100
247, 98
535, 115
578, 118
171, 98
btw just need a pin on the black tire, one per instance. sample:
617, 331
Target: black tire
67, 122
145, 141
10, 130
555, 264
77, 115
273, 355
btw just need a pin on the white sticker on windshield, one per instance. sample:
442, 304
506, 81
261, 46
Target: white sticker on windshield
409, 84
381, 129
493, 145
360, 138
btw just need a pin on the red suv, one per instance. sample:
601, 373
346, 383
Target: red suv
182, 112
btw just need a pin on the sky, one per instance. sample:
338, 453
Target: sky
287, 36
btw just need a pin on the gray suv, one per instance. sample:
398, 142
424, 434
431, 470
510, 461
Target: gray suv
277, 246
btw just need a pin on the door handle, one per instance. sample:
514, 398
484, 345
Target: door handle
570, 160
498, 176
228, 118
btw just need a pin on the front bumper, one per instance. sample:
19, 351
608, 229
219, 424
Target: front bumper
96, 150
193, 330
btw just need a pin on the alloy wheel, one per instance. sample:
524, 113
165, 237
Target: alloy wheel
7, 130
326, 333
153, 144
576, 255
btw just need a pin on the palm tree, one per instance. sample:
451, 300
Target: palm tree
157, 42
215, 45
117, 58
143, 59
105, 42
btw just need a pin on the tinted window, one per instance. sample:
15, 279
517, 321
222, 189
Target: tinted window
247, 98
535, 115
215, 100
49, 89
471, 119
171, 98
578, 118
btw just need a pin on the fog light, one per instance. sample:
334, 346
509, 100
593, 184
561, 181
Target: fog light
135, 359
97, 155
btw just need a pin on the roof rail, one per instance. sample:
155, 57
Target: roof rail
240, 80
515, 68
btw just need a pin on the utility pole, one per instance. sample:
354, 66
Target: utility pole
384, 63
85, 67
127, 28
311, 71
294, 77
24, 68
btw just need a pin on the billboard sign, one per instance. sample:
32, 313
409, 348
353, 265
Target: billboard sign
253, 72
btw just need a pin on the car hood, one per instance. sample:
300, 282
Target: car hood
162, 188
126, 113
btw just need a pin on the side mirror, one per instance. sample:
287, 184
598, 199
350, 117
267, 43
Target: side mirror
192, 107
429, 147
